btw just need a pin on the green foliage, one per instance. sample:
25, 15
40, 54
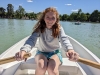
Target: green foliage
10, 10
95, 16
20, 13
2, 12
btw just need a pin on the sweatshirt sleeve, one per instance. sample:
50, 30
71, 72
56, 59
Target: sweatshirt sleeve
65, 42
30, 42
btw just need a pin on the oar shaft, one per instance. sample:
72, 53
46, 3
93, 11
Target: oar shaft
11, 59
89, 62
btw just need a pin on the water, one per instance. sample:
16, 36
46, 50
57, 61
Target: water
12, 31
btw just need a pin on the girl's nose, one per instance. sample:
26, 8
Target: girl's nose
50, 19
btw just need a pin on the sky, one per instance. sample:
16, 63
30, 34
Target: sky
63, 6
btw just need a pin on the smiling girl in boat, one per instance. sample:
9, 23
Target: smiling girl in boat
50, 32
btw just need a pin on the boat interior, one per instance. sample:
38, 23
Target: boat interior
28, 67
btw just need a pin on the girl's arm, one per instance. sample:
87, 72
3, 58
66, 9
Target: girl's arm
64, 40
67, 46
30, 42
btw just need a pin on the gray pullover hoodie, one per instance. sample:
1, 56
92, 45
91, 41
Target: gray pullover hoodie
47, 42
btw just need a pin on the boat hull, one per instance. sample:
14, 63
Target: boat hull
18, 68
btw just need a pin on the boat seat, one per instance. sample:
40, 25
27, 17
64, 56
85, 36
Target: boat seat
67, 66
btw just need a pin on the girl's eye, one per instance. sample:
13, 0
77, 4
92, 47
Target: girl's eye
53, 18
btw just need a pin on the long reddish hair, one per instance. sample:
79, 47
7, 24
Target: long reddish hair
41, 25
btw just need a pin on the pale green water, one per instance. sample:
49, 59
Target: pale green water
12, 31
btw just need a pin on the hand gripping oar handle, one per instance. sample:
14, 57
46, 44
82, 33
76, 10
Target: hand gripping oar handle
11, 59
89, 62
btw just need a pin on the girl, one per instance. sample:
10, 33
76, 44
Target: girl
49, 32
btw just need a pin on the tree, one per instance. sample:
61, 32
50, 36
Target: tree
20, 12
94, 17
10, 10
88, 16
79, 11
79, 14
2, 12
73, 16
64, 17
60, 16
99, 16
83, 17
33, 15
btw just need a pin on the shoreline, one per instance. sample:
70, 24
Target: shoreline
60, 20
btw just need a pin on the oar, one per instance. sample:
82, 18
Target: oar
89, 62
11, 59
82, 60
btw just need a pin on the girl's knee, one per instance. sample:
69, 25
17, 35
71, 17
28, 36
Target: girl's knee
52, 70
40, 70
41, 64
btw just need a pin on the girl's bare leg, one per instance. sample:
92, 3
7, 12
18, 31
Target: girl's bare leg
53, 65
41, 64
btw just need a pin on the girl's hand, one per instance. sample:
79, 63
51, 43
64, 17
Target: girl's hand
72, 55
20, 55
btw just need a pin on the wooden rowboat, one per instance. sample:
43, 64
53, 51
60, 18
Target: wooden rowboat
67, 68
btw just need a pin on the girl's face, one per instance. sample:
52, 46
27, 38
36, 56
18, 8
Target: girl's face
50, 19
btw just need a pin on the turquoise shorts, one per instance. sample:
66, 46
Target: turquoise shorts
50, 54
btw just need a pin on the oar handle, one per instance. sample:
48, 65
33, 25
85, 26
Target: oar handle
89, 62
11, 59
